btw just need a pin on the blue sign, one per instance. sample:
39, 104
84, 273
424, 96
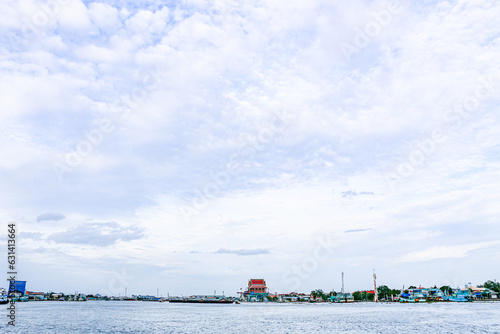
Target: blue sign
253, 293
17, 287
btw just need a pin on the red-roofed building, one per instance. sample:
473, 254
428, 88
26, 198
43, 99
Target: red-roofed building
256, 290
257, 286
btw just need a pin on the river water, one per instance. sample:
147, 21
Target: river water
154, 317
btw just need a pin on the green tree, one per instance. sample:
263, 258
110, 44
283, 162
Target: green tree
495, 286
446, 289
395, 292
358, 295
318, 293
383, 292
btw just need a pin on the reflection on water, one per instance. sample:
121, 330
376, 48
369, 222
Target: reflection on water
154, 317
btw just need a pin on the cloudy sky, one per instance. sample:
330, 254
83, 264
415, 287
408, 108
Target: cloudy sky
188, 146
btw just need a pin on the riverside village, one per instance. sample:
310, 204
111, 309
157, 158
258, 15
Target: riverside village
258, 291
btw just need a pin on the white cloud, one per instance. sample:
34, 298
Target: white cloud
224, 69
444, 252
104, 17
74, 16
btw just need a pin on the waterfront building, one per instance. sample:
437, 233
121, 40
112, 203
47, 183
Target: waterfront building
420, 293
36, 295
294, 297
55, 296
145, 297
257, 286
342, 297
481, 293
256, 290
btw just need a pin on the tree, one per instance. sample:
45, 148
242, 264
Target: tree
412, 287
395, 292
495, 286
446, 289
383, 291
318, 293
358, 295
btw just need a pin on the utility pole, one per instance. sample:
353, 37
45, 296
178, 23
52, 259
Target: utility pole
375, 285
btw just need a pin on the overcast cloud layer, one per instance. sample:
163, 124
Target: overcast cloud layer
187, 146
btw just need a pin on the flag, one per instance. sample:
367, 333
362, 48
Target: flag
17, 287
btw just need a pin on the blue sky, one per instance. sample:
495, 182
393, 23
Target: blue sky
191, 145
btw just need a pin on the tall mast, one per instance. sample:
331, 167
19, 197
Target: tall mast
342, 283
375, 286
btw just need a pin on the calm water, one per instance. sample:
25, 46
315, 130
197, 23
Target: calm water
154, 317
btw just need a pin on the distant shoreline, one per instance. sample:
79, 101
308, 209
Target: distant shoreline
269, 302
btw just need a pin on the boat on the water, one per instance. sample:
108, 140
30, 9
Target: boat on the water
459, 296
205, 301
3, 297
414, 297
406, 298
18, 298
202, 300
435, 295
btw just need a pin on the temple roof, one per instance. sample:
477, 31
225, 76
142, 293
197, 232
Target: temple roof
257, 282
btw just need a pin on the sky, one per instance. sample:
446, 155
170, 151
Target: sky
184, 147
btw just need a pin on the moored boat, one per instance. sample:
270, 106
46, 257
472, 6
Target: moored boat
3, 297
202, 300
459, 296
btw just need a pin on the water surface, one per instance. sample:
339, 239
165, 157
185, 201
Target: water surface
154, 317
